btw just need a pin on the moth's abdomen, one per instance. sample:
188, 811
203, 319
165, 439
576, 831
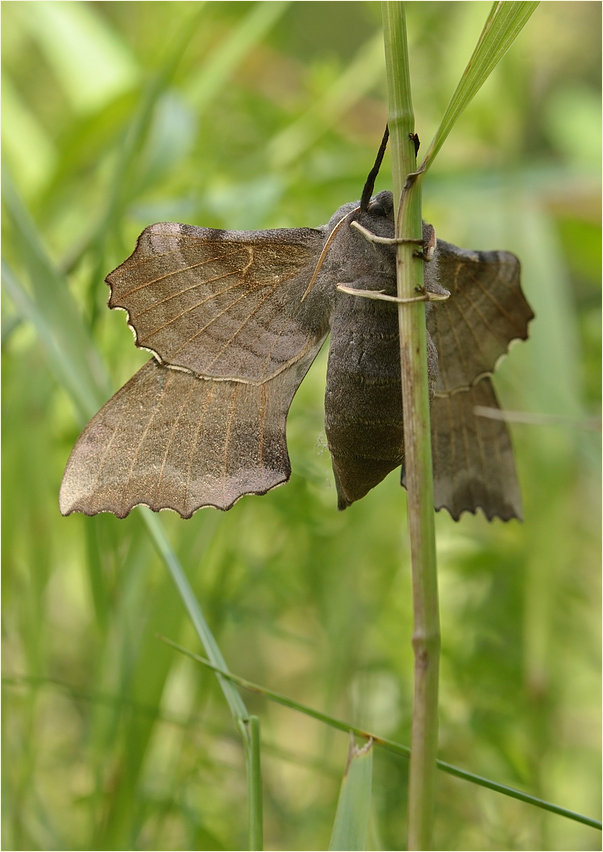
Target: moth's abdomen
363, 409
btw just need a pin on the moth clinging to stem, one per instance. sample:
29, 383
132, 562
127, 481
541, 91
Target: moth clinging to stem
234, 319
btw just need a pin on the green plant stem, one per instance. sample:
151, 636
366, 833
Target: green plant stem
250, 728
417, 434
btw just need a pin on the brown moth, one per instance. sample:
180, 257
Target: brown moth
234, 319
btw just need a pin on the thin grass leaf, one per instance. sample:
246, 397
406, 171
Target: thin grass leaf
504, 23
390, 745
350, 828
248, 729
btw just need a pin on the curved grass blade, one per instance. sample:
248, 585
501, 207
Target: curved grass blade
503, 25
245, 723
350, 828
390, 745
166, 552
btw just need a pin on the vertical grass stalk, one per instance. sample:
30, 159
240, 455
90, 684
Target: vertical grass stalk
250, 728
417, 433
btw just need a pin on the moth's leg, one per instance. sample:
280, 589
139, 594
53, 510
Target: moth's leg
428, 242
386, 241
424, 295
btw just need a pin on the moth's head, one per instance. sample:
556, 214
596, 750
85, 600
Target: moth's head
382, 204
378, 218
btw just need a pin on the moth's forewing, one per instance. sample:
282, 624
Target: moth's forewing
222, 304
485, 312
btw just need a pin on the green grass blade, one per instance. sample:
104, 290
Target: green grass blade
224, 61
64, 368
52, 311
391, 745
350, 828
250, 728
504, 23
246, 724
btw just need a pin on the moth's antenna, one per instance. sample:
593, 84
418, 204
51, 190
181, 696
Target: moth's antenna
370, 181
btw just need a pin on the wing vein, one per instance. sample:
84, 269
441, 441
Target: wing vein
173, 431
182, 269
227, 440
147, 428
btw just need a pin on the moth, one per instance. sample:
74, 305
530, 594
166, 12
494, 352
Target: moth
234, 319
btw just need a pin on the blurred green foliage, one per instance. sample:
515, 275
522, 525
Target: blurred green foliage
244, 115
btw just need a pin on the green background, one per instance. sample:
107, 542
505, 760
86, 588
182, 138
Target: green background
269, 115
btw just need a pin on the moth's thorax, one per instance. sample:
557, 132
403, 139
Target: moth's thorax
351, 257
372, 265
